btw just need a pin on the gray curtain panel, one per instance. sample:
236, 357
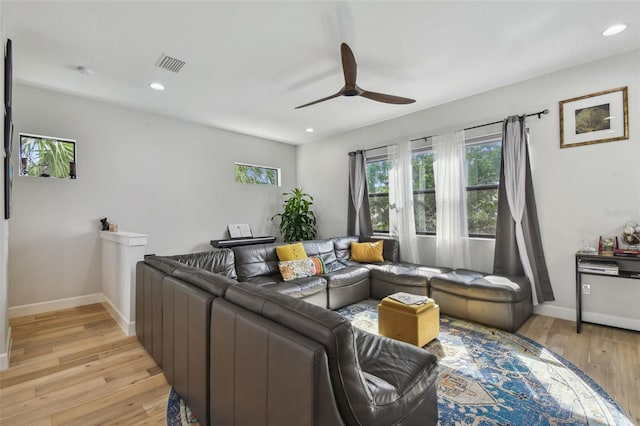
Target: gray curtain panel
506, 258
358, 214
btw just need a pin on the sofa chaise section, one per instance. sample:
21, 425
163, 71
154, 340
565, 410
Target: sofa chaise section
374, 380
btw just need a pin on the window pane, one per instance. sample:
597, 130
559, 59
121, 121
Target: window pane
422, 164
483, 164
482, 211
379, 208
378, 177
424, 207
246, 173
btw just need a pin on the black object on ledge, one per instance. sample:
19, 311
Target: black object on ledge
235, 242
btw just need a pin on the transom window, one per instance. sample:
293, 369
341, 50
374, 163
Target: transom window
250, 173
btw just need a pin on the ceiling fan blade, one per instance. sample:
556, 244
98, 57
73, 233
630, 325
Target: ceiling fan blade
335, 95
349, 66
389, 99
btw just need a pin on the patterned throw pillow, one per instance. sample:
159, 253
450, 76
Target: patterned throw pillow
291, 252
367, 252
299, 268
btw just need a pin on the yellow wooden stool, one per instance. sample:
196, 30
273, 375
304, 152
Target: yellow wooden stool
415, 324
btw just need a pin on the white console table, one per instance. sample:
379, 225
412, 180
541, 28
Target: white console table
120, 253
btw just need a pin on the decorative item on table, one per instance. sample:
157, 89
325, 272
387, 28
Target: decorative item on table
631, 235
113, 227
587, 248
607, 244
105, 224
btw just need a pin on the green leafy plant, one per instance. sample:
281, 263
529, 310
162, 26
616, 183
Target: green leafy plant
297, 220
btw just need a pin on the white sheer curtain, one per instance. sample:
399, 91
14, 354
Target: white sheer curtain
452, 242
515, 159
401, 217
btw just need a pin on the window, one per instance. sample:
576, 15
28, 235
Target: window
424, 191
378, 187
45, 156
483, 175
249, 173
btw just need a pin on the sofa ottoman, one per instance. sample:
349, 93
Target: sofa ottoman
503, 302
402, 277
415, 324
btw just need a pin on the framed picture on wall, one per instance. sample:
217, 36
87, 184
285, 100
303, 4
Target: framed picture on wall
596, 118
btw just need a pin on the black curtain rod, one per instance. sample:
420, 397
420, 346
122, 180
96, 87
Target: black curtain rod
539, 114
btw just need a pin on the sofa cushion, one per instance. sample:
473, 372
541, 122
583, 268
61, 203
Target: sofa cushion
290, 252
297, 288
342, 247
299, 268
324, 249
220, 261
407, 274
369, 252
491, 288
346, 276
256, 260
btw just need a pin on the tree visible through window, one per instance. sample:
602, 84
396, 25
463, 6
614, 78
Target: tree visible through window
483, 176
248, 173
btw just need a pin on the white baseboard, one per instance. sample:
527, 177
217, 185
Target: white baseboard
555, 311
5, 358
128, 327
55, 305
594, 317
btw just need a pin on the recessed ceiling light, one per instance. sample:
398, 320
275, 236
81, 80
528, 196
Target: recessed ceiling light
309, 130
156, 86
614, 29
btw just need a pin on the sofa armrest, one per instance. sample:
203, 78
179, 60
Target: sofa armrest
398, 375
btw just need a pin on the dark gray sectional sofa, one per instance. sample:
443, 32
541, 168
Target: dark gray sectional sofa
244, 347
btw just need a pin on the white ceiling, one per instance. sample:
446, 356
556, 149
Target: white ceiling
248, 64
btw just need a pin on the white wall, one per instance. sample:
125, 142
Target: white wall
149, 174
581, 192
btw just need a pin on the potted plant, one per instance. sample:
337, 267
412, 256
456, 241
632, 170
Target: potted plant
297, 221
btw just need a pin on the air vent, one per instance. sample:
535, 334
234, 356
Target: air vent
170, 64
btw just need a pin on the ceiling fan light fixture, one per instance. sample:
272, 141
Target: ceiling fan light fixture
156, 86
614, 29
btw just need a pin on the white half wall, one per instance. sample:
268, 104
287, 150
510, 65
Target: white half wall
581, 192
170, 179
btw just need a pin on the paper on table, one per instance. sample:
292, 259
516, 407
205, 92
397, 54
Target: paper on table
409, 299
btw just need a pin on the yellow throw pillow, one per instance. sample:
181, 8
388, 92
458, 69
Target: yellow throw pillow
291, 252
367, 252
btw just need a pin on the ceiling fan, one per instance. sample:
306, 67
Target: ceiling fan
350, 87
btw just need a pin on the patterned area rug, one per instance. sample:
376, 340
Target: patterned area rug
492, 377
489, 377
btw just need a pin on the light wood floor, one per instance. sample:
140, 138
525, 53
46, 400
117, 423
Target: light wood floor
76, 366
610, 356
